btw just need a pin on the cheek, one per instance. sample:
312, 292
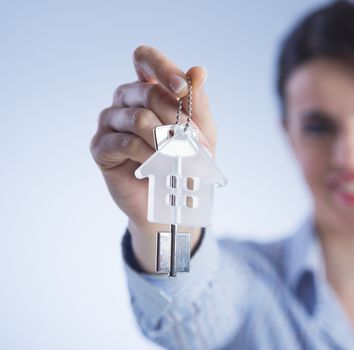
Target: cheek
315, 163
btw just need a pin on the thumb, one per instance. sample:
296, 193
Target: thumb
201, 113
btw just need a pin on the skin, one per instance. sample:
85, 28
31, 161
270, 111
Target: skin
319, 124
124, 139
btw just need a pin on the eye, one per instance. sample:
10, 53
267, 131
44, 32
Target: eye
317, 124
317, 128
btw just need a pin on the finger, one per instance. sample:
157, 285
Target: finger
201, 112
138, 121
151, 65
112, 149
147, 95
164, 106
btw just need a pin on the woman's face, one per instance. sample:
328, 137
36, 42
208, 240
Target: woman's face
320, 126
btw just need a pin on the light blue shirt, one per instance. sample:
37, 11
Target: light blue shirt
244, 295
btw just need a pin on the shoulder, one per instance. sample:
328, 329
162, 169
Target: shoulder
261, 258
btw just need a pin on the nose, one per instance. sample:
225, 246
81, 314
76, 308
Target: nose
344, 150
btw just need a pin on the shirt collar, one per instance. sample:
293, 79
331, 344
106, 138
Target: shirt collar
304, 254
306, 276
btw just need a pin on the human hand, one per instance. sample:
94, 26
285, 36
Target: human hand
124, 137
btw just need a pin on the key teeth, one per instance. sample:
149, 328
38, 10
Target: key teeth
163, 252
183, 251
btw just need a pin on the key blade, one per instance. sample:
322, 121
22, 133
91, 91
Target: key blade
183, 251
163, 254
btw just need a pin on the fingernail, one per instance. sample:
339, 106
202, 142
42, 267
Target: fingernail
178, 84
205, 75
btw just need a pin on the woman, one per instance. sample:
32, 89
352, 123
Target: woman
296, 293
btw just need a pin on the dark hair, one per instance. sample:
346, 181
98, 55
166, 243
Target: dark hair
328, 32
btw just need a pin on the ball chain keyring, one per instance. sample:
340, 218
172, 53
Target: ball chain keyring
189, 105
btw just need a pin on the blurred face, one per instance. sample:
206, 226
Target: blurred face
320, 127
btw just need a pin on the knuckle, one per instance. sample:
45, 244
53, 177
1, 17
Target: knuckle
142, 119
118, 96
94, 147
152, 94
131, 144
102, 118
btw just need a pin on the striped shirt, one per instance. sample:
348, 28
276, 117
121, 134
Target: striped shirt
243, 295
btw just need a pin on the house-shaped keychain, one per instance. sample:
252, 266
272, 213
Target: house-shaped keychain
182, 176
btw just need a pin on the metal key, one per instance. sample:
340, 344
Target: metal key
182, 176
173, 251
172, 248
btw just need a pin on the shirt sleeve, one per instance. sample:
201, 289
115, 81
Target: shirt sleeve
202, 309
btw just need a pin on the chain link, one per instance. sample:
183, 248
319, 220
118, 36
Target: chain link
179, 110
189, 105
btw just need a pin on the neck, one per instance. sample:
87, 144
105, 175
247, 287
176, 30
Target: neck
337, 241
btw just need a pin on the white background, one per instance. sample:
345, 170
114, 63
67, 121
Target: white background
62, 284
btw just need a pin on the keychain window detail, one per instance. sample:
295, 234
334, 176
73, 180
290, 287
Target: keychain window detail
172, 181
171, 200
191, 183
191, 202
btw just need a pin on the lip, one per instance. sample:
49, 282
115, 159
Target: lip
347, 177
345, 197
342, 195
336, 181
